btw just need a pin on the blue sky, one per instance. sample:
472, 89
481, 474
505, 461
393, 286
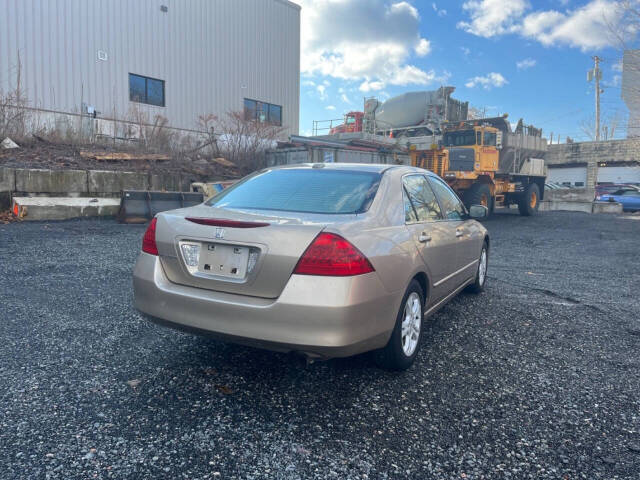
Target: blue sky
528, 59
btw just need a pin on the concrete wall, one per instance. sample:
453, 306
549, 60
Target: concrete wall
593, 153
81, 183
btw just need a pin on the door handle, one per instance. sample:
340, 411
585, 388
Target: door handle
459, 232
424, 238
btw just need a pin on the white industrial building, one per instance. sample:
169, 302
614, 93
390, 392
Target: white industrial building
176, 58
631, 90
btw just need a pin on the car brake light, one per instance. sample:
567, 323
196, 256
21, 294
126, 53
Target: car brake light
220, 222
331, 255
149, 240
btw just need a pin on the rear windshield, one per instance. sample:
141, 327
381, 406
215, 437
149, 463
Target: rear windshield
302, 190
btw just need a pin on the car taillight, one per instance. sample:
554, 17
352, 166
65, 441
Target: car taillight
331, 255
149, 239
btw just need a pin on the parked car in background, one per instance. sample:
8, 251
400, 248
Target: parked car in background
327, 260
613, 187
629, 197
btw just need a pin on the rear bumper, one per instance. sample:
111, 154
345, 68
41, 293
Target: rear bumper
317, 316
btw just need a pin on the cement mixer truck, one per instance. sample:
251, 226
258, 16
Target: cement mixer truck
408, 115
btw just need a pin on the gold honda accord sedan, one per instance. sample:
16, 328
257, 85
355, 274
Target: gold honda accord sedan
327, 260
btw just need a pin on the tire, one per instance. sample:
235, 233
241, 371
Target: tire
529, 200
479, 194
481, 275
398, 354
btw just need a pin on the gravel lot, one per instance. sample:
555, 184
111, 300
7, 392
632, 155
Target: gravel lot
539, 377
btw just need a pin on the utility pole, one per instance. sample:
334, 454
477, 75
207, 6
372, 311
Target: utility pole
596, 74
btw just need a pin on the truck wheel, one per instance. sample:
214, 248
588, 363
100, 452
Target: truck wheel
529, 200
479, 194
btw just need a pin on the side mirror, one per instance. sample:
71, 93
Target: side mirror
478, 211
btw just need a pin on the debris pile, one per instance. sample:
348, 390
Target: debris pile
41, 153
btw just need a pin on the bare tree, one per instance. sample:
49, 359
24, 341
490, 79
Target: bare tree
609, 125
207, 123
152, 133
238, 139
14, 115
476, 113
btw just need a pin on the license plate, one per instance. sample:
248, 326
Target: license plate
224, 260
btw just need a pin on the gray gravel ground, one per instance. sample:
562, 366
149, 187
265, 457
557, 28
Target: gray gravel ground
537, 378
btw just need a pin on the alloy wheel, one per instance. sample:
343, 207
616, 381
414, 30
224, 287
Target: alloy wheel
482, 267
411, 324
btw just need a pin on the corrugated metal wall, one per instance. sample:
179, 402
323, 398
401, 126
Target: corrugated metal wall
210, 53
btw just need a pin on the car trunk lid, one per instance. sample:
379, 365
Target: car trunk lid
233, 251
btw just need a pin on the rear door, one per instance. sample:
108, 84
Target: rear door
467, 234
433, 238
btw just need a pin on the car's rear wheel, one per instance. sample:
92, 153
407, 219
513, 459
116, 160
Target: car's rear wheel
404, 344
481, 273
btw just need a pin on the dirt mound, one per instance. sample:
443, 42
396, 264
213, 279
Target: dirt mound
40, 153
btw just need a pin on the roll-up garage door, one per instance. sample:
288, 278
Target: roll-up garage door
575, 176
627, 174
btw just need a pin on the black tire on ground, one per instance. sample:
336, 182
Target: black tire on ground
479, 194
481, 280
529, 200
392, 356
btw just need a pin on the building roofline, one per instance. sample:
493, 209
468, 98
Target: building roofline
290, 4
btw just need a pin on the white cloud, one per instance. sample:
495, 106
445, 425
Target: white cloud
330, 107
586, 27
465, 51
617, 67
308, 83
345, 99
368, 86
616, 81
368, 41
526, 63
423, 48
405, 7
322, 92
492, 17
487, 82
441, 12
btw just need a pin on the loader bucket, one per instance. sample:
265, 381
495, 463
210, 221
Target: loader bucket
141, 206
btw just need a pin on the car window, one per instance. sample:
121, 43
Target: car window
420, 204
451, 204
307, 190
631, 193
490, 139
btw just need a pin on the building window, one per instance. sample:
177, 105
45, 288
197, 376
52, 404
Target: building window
146, 90
262, 112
